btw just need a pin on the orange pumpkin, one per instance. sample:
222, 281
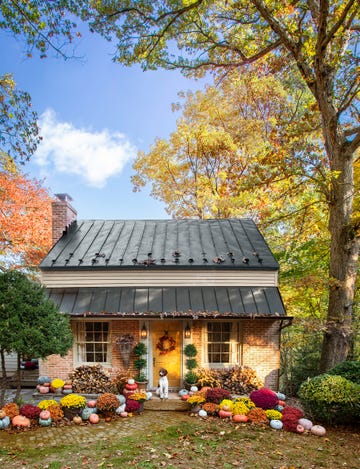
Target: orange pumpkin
20, 421
2, 414
283, 403
240, 418
131, 387
223, 414
185, 397
94, 418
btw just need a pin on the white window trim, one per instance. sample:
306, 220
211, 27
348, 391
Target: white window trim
78, 325
235, 346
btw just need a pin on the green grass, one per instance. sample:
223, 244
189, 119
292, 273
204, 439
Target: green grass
188, 444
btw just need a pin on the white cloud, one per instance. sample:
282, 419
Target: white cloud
95, 156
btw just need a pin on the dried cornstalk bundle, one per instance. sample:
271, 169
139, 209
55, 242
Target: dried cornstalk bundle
87, 379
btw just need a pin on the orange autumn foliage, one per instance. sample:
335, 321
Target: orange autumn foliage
25, 219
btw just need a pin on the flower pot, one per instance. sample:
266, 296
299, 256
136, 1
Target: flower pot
71, 413
142, 385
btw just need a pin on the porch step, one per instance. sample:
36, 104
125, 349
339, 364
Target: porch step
173, 403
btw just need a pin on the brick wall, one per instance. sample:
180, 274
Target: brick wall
62, 215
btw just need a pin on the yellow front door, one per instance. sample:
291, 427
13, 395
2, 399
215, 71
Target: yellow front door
166, 347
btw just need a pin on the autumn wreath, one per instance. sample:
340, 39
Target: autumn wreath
166, 344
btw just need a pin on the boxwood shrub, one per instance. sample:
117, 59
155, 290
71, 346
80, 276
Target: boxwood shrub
348, 369
331, 399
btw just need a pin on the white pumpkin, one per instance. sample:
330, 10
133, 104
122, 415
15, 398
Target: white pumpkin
202, 413
318, 430
276, 424
194, 389
120, 409
148, 395
131, 381
306, 423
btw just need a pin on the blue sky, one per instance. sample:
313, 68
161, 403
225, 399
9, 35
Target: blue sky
95, 116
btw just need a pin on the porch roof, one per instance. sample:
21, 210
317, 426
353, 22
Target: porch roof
177, 302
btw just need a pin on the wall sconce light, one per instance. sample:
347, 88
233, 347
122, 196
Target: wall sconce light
187, 331
143, 332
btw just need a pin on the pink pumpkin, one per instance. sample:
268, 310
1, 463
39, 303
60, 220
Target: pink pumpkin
123, 414
300, 429
20, 421
94, 418
45, 414
223, 414
44, 389
91, 404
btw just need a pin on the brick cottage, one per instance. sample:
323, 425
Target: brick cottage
212, 283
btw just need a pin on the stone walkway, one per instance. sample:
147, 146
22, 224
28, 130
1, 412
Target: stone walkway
145, 425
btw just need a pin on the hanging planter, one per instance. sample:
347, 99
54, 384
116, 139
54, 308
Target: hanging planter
125, 344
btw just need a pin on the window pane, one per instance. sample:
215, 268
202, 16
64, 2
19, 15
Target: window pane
219, 335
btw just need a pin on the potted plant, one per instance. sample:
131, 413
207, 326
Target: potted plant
140, 363
190, 378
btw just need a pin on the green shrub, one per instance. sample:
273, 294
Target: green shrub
348, 369
331, 399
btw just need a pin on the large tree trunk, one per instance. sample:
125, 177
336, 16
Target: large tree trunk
344, 255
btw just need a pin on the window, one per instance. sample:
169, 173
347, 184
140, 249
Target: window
219, 336
93, 342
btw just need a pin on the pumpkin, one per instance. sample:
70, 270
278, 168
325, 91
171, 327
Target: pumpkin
45, 422
194, 389
240, 418
280, 408
2, 414
67, 386
131, 387
122, 398
276, 424
185, 397
318, 430
94, 418
148, 395
202, 413
131, 381
20, 421
306, 423
183, 392
282, 403
123, 414
86, 413
223, 414
91, 404
120, 409
226, 408
77, 419
281, 396
45, 414
43, 379
5, 422
299, 428
44, 389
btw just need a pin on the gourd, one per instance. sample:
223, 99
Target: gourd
123, 414
185, 397
131, 381
44, 414
5, 422
148, 395
194, 389
299, 428
318, 430
276, 424
202, 413
240, 418
306, 423
77, 419
20, 421
281, 396
223, 414
2, 414
91, 404
94, 418
44, 389
183, 392
131, 387
45, 422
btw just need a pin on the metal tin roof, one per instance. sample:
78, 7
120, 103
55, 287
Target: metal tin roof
155, 244
192, 302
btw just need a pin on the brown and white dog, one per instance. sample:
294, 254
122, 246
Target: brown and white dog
163, 389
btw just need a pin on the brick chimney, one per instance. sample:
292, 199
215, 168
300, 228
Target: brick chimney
63, 214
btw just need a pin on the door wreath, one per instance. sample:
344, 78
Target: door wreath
166, 344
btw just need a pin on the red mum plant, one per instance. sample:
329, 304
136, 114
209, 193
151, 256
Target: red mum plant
264, 398
290, 418
30, 411
132, 406
216, 395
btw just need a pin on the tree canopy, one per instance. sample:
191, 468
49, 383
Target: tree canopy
30, 324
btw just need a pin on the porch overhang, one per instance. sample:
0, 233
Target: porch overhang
171, 302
